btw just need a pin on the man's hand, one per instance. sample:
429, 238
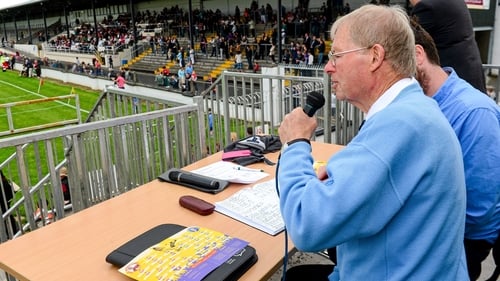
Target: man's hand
297, 125
321, 172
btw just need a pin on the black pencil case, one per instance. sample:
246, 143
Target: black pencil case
192, 180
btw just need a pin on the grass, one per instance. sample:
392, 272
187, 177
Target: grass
14, 88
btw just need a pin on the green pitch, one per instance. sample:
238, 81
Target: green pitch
14, 88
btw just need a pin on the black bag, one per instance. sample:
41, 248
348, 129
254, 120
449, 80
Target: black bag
253, 149
231, 270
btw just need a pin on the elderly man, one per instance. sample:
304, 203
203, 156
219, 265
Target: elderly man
393, 200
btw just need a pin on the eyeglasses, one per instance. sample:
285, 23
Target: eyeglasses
333, 56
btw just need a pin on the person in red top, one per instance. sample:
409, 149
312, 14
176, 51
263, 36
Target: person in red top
165, 71
256, 67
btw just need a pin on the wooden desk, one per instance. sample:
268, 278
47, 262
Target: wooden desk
75, 247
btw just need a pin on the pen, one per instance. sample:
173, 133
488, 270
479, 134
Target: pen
247, 169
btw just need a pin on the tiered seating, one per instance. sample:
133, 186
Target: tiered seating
146, 62
206, 67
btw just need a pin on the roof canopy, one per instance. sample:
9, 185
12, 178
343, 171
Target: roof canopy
16, 3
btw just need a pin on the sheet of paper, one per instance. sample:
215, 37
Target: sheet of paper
231, 172
257, 206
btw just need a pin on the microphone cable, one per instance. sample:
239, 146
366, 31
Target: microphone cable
314, 101
285, 256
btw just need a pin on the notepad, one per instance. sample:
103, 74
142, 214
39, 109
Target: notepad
257, 206
231, 172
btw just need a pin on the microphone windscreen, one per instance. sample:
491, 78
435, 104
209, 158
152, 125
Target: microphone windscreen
193, 179
174, 176
314, 101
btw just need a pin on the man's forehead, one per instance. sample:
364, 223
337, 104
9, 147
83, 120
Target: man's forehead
340, 36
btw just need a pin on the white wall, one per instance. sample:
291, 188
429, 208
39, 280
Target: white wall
30, 49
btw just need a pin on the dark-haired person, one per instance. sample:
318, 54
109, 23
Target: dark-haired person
6, 196
476, 120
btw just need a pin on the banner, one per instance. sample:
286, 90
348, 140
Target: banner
478, 4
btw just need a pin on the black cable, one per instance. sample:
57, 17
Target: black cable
285, 256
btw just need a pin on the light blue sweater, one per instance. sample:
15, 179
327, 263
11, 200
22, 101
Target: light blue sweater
394, 201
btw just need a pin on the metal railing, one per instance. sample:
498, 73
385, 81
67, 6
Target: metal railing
105, 158
260, 101
10, 117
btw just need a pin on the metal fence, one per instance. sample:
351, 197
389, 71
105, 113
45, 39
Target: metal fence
260, 101
15, 130
105, 158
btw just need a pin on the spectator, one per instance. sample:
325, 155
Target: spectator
272, 53
347, 9
203, 44
238, 61
182, 78
6, 196
251, 27
180, 58
249, 131
38, 69
112, 74
210, 122
191, 55
321, 50
110, 62
127, 74
97, 67
476, 121
194, 78
160, 79
223, 48
188, 72
165, 71
450, 25
374, 197
256, 67
174, 81
213, 44
249, 52
63, 173
120, 81
76, 66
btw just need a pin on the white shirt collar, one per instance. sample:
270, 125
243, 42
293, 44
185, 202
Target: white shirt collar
386, 98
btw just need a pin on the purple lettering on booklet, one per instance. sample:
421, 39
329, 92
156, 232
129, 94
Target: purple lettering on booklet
214, 260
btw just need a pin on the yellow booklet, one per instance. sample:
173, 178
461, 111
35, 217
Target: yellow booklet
189, 255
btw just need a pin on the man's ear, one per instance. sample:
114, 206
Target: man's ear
378, 56
420, 54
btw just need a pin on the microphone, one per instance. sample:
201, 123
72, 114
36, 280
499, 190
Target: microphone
193, 179
314, 101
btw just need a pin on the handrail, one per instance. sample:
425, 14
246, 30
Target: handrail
104, 158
